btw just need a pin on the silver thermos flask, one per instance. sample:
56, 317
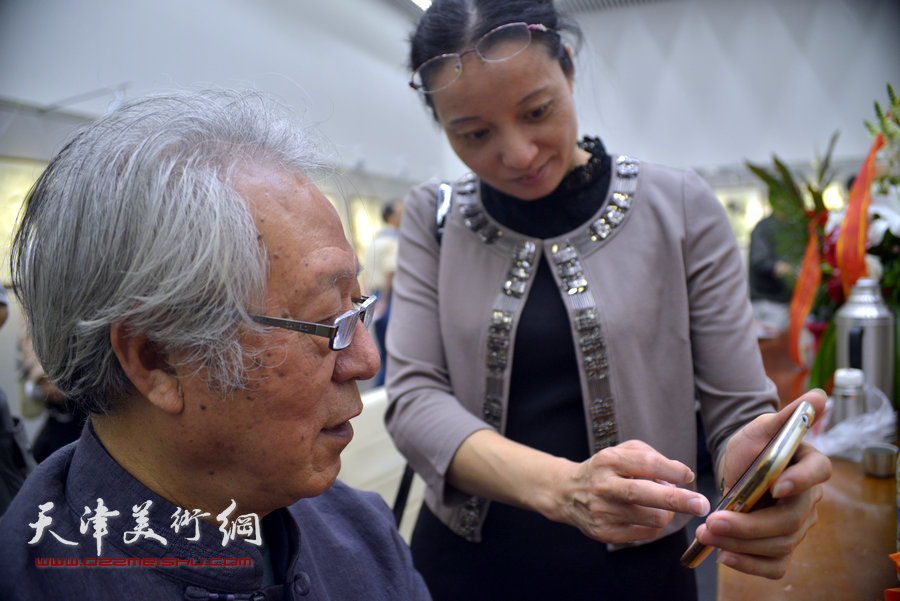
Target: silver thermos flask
865, 335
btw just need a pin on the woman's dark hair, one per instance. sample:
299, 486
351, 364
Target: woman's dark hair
455, 25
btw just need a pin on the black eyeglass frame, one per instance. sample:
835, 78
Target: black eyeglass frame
348, 319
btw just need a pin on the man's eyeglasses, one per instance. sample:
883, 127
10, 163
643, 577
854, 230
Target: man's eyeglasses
499, 44
339, 335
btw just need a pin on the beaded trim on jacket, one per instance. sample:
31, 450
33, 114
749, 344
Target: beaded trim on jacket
565, 258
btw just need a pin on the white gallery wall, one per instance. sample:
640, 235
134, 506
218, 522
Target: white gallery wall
337, 61
711, 83
691, 83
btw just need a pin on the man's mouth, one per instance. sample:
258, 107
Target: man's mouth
341, 431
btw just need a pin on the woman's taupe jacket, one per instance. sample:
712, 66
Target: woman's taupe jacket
656, 293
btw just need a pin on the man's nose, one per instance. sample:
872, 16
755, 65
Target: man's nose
360, 360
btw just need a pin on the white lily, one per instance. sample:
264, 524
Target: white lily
834, 221
874, 267
884, 215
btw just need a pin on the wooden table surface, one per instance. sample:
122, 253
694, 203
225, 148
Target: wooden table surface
844, 557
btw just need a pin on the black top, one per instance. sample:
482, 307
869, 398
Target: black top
545, 409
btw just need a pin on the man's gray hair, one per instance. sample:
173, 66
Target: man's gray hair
136, 222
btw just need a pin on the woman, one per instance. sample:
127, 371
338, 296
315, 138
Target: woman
552, 332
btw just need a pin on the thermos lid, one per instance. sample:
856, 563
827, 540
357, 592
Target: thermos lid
866, 290
849, 377
866, 282
864, 306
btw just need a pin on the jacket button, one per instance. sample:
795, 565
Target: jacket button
302, 585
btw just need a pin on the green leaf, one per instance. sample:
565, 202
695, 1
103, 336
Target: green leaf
817, 198
896, 398
826, 358
764, 175
822, 173
788, 179
784, 202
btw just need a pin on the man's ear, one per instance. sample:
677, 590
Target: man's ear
148, 370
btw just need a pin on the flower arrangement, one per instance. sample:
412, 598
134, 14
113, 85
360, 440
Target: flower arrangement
883, 252
834, 248
801, 240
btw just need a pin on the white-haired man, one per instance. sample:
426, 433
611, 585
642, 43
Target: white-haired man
186, 283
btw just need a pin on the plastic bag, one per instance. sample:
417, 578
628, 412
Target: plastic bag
847, 438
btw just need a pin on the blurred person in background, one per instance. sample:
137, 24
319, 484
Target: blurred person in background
64, 421
381, 258
772, 275
16, 461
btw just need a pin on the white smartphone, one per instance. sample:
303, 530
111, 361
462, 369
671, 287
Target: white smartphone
757, 479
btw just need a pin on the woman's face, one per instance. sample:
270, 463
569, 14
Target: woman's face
513, 122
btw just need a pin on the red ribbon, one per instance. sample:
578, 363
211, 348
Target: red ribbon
805, 290
851, 243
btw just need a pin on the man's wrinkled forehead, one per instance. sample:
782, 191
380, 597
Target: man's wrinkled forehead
340, 278
323, 270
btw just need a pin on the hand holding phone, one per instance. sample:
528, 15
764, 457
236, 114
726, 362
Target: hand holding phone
757, 479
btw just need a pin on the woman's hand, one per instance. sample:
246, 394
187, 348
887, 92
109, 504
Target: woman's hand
624, 493
627, 493
761, 542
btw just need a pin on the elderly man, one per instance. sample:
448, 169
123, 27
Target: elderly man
187, 284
